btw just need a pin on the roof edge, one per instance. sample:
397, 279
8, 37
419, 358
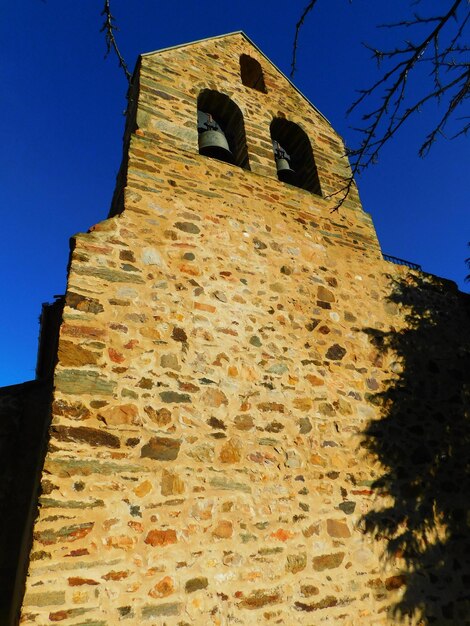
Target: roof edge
240, 32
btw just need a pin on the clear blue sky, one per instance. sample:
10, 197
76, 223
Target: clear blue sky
62, 123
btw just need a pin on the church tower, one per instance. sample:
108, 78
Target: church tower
214, 376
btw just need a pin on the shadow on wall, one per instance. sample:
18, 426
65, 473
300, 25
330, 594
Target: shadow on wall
422, 442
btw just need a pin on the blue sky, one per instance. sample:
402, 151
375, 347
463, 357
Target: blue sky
62, 124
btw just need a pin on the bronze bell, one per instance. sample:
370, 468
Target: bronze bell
212, 140
284, 171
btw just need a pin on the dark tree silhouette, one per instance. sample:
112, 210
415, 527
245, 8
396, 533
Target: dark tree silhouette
422, 442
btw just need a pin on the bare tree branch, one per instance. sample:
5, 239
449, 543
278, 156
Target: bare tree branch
298, 26
438, 45
394, 93
109, 28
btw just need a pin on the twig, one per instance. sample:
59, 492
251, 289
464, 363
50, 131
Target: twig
108, 28
443, 49
298, 26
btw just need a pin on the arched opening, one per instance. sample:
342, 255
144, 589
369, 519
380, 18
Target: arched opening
294, 157
221, 129
251, 73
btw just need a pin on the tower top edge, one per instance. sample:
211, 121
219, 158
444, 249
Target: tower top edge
251, 42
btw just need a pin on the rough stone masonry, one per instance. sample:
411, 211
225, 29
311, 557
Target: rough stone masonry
221, 357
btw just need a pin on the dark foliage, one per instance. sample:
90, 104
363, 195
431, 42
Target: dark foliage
422, 442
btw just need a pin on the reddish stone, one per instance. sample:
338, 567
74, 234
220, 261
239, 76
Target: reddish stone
200, 306
163, 588
282, 535
395, 582
189, 387
223, 530
112, 575
66, 533
58, 616
116, 356
79, 552
185, 268
76, 581
259, 457
362, 492
131, 344
161, 537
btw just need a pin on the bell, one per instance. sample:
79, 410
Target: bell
213, 143
284, 171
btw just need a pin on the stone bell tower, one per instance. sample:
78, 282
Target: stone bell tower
210, 387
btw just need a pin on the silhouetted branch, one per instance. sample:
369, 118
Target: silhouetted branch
109, 28
392, 112
438, 47
342, 192
298, 26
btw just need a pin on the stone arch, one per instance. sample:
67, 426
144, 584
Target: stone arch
294, 144
218, 112
251, 73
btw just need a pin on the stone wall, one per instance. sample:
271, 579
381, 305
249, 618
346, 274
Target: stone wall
223, 368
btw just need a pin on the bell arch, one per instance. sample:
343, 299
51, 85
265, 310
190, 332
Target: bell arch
251, 73
221, 129
294, 156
